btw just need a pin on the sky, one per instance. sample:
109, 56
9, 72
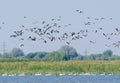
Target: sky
12, 13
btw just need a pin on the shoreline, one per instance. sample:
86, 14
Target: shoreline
49, 74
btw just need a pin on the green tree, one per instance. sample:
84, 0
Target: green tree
16, 52
53, 56
30, 55
39, 55
92, 57
107, 54
6, 55
68, 51
0, 55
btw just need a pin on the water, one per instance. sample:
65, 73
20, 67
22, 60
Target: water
60, 79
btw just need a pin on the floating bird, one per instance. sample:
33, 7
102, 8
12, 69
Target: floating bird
25, 17
3, 22
87, 23
102, 18
23, 26
100, 28
110, 18
50, 31
32, 38
96, 18
43, 22
13, 35
117, 29
88, 17
104, 34
21, 38
21, 45
19, 33
93, 42
79, 11
68, 43
52, 19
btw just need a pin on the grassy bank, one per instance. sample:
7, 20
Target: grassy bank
67, 67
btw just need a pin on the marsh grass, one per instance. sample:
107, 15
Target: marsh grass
63, 67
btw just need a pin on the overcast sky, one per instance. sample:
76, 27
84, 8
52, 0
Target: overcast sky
12, 13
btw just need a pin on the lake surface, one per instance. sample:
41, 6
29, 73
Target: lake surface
60, 79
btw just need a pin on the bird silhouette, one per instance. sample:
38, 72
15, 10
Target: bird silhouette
21, 45
32, 38
50, 31
93, 42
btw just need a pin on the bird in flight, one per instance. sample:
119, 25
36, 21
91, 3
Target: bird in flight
79, 11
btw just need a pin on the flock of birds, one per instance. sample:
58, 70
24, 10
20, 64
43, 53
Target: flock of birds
51, 31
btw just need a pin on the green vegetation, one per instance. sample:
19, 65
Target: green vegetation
66, 60
65, 53
64, 67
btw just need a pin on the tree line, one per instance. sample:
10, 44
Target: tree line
65, 53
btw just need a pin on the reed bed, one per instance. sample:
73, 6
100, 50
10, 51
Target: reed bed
63, 67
